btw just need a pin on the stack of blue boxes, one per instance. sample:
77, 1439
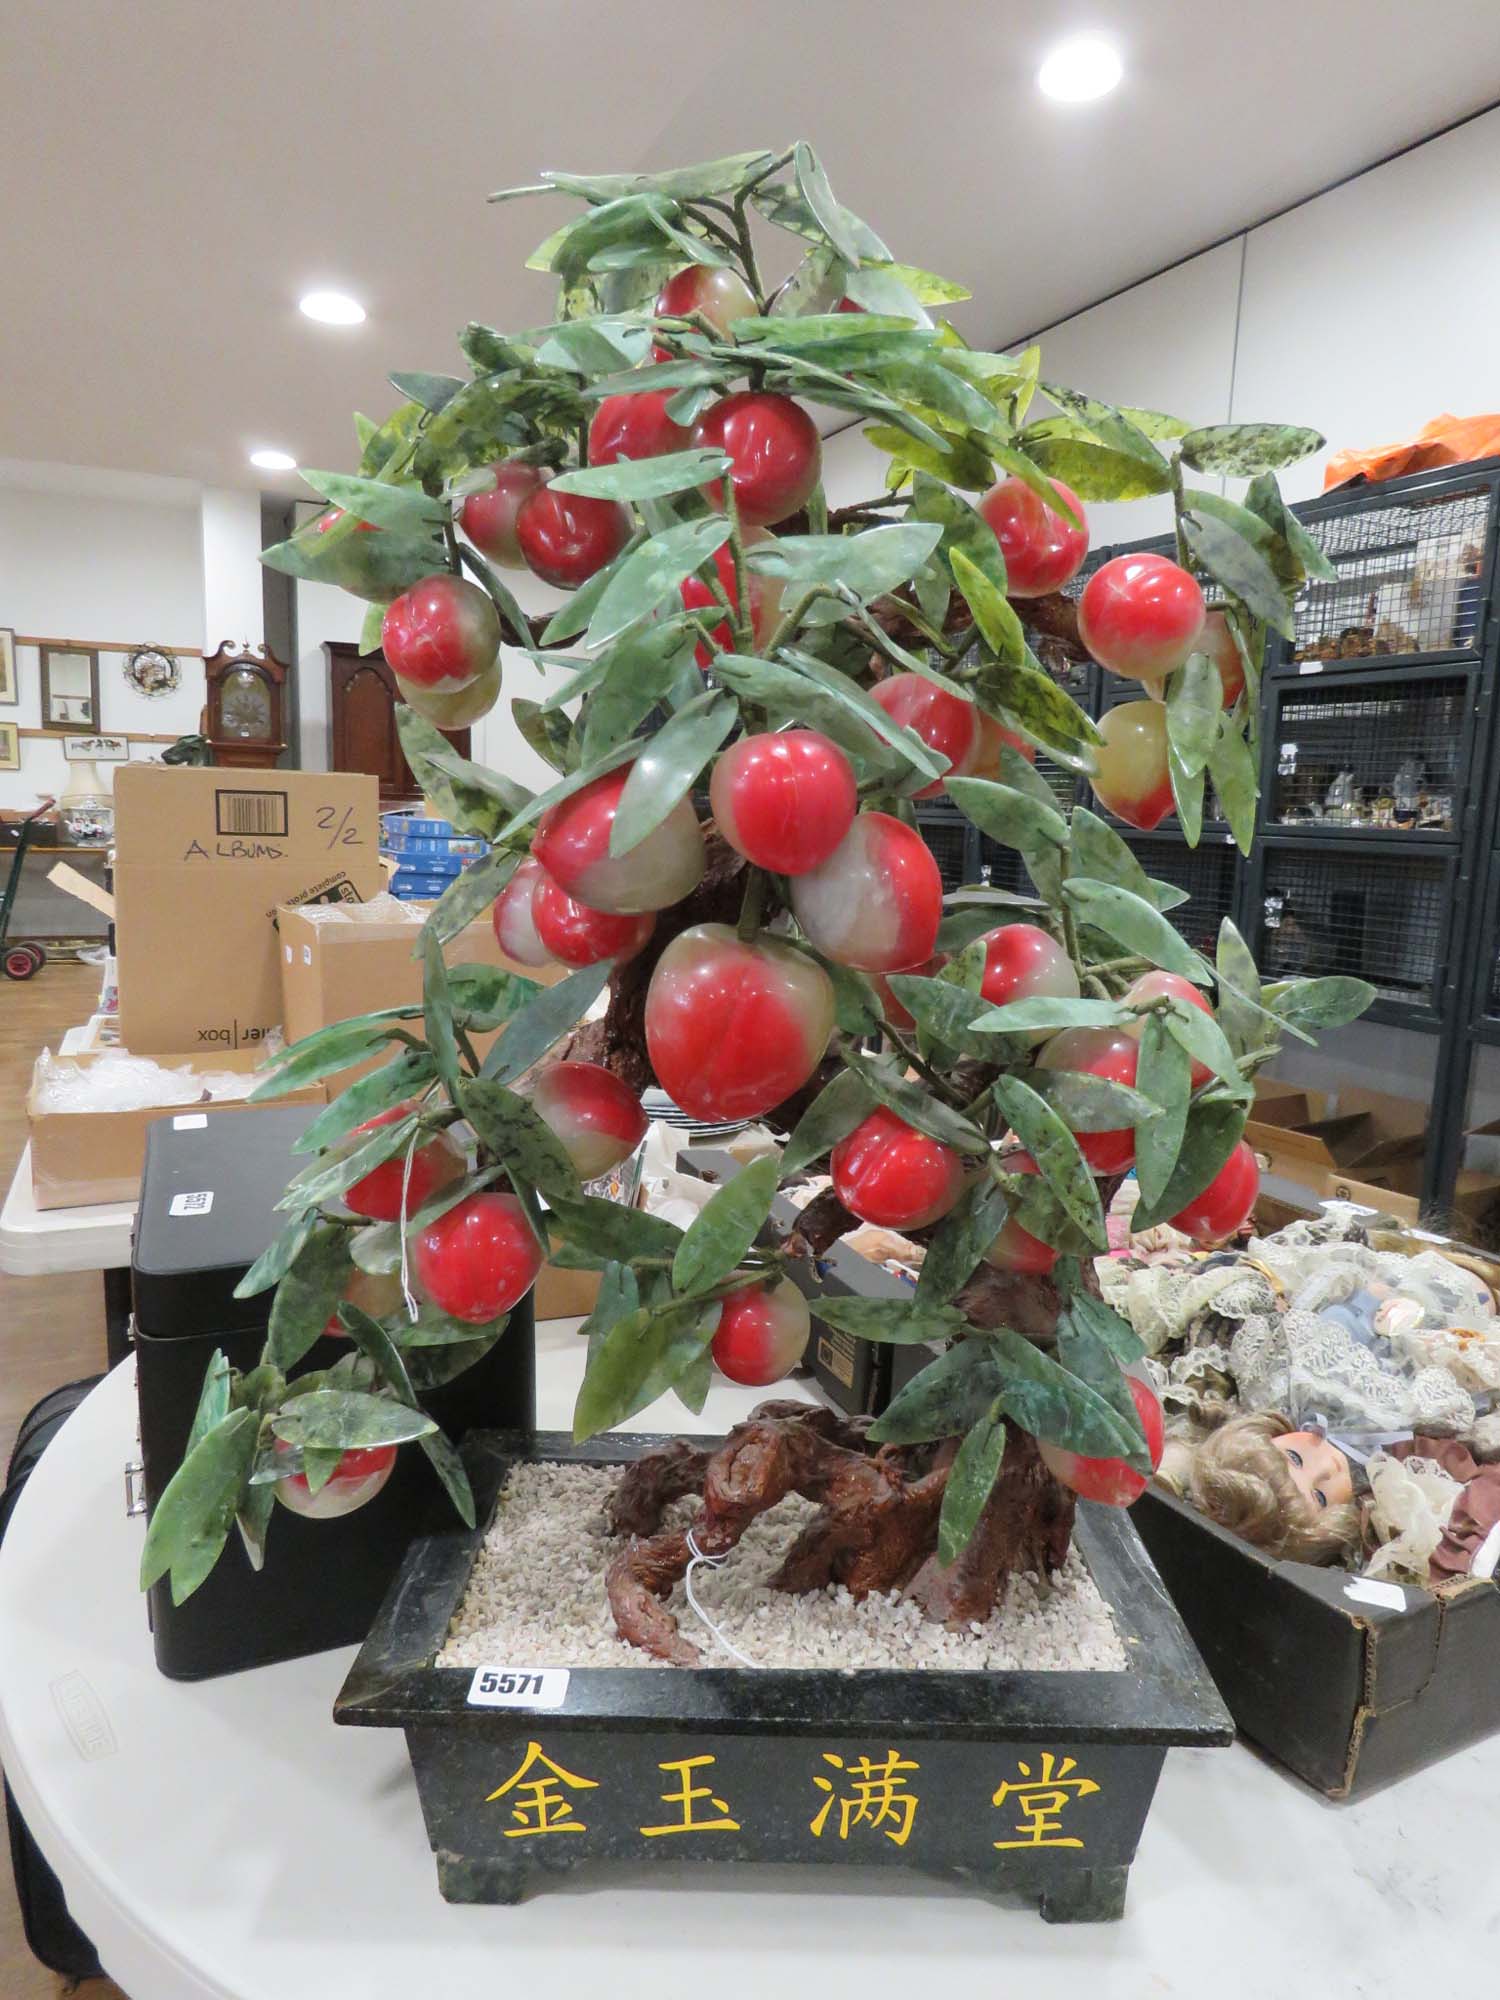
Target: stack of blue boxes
428, 853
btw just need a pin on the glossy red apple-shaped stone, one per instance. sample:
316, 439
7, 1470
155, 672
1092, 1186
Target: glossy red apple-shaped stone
569, 930
376, 1292
572, 844
1106, 1052
476, 1260
636, 426
454, 711
762, 1333
992, 735
719, 294
888, 1173
434, 1165
514, 923
733, 1028
877, 901
336, 514
489, 518
1226, 1204
775, 453
1015, 1248
566, 537
785, 799
597, 1118
356, 1479
441, 634
1169, 986
1023, 962
765, 606
1131, 775
1041, 549
1218, 642
1110, 1480
1140, 615
945, 722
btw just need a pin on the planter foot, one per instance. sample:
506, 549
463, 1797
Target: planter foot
1089, 1896
464, 1878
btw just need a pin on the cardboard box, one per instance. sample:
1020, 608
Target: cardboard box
81, 1157
203, 857
1348, 1691
346, 960
1353, 1145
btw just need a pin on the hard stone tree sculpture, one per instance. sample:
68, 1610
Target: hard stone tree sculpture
748, 691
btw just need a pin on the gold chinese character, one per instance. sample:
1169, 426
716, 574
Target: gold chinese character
877, 1795
1039, 1800
687, 1798
545, 1810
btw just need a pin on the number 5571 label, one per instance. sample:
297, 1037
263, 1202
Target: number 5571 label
519, 1687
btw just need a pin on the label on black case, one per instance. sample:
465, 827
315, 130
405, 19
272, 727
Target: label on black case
519, 1687
198, 1203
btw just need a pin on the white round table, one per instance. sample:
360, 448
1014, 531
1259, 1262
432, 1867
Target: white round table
225, 1839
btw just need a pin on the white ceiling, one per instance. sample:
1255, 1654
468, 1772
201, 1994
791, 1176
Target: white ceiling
176, 174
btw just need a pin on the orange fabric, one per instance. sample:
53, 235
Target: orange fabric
1445, 441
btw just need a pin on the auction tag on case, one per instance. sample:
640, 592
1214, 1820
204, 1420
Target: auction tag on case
197, 1203
190, 1121
519, 1687
1369, 1590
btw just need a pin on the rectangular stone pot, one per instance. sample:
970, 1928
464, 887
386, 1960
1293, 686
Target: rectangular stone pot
1030, 1783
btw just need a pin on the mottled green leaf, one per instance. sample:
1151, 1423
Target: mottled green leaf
1240, 567
960, 1240
908, 1322
993, 614
644, 478
1162, 1075
348, 1420
1195, 702
669, 766
308, 1296
612, 1232
545, 1020
1321, 1003
1016, 819
1245, 449
213, 1399
405, 1076
869, 564
950, 1395
1134, 924
832, 1115
725, 1227
655, 574
449, 1468
1240, 1014
191, 1521
1214, 1129
971, 1480
914, 1103
1033, 1017
1231, 767
510, 1128
1088, 1103
1056, 1153
1059, 1407
638, 1359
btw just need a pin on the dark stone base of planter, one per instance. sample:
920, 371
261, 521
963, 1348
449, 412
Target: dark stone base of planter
1019, 1784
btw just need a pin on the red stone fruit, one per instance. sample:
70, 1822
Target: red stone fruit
1131, 776
719, 294
784, 800
476, 1260
1041, 549
765, 606
515, 921
597, 1118
1140, 615
733, 1028
1024, 962
992, 735
888, 1173
1015, 1248
356, 1479
454, 711
1226, 1204
441, 634
848, 306
1168, 985
572, 844
489, 518
376, 1292
336, 514
762, 1333
776, 455
877, 901
1110, 1480
566, 537
1218, 642
571, 931
1106, 1052
434, 1165
945, 722
635, 426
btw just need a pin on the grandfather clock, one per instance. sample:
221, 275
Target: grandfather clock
246, 707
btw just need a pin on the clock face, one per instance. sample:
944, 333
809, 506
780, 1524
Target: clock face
245, 705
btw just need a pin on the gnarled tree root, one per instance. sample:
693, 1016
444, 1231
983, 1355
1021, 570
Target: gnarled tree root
876, 1528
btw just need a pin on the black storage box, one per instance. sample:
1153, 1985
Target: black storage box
1347, 1692
207, 1211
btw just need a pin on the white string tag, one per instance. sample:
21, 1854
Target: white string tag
710, 1562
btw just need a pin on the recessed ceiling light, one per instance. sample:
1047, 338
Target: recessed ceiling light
274, 461
332, 308
1081, 68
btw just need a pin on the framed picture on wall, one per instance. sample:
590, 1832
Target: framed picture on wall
70, 689
10, 694
10, 747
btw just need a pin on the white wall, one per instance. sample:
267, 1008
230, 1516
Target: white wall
233, 599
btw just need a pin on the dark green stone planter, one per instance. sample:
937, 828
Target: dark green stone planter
1029, 1783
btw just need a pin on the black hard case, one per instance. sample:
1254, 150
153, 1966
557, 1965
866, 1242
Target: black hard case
323, 1581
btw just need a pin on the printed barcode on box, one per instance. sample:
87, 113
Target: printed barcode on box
251, 812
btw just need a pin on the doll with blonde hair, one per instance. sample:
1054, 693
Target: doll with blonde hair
1289, 1492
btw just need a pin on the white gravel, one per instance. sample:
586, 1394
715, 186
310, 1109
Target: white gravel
536, 1598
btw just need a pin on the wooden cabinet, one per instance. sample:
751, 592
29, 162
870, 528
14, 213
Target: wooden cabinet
362, 714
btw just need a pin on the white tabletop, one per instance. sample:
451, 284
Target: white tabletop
225, 1839
40, 1242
